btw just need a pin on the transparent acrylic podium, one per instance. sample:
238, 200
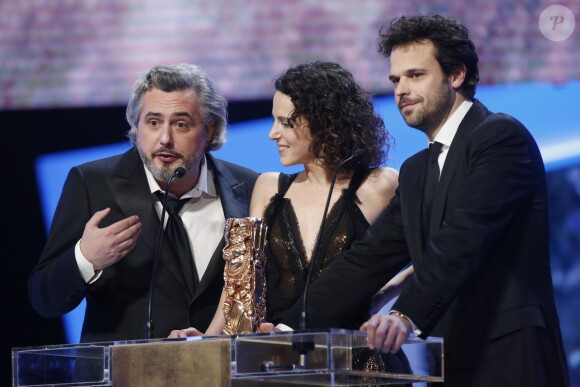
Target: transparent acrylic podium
333, 357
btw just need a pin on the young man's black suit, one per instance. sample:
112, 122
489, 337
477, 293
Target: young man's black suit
482, 275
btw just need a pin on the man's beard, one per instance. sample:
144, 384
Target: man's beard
432, 113
166, 171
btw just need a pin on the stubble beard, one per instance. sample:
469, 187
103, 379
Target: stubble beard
433, 112
164, 173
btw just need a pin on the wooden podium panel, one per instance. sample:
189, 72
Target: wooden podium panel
189, 363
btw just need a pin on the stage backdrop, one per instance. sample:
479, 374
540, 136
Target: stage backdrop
88, 53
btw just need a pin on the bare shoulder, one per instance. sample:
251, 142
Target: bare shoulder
377, 191
383, 180
267, 181
266, 186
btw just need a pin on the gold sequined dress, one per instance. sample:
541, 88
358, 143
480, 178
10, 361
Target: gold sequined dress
287, 266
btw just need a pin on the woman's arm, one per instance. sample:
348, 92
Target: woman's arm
215, 328
266, 187
391, 289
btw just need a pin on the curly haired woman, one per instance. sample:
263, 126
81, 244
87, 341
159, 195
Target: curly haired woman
321, 117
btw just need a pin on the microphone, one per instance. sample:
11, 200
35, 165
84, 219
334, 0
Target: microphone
304, 346
355, 156
149, 328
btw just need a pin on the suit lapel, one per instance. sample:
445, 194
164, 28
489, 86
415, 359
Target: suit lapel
234, 199
233, 193
474, 116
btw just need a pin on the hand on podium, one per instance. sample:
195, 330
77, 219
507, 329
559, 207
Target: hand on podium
266, 327
387, 332
187, 332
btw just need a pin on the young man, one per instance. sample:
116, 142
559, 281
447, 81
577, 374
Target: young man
471, 213
103, 238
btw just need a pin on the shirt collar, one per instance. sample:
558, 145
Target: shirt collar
449, 128
205, 183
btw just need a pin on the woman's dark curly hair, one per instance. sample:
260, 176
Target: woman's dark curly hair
340, 114
453, 48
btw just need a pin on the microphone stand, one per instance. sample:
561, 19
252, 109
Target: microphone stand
303, 347
149, 327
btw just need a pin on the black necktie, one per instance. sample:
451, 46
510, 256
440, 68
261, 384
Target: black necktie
178, 238
431, 181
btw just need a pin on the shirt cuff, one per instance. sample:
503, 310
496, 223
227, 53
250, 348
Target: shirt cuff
416, 331
85, 267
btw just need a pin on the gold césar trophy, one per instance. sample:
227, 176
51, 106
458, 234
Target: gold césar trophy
244, 275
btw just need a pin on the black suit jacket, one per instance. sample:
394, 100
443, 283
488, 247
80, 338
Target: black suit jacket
116, 304
484, 270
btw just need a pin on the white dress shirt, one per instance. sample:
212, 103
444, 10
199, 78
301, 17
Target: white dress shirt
447, 132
